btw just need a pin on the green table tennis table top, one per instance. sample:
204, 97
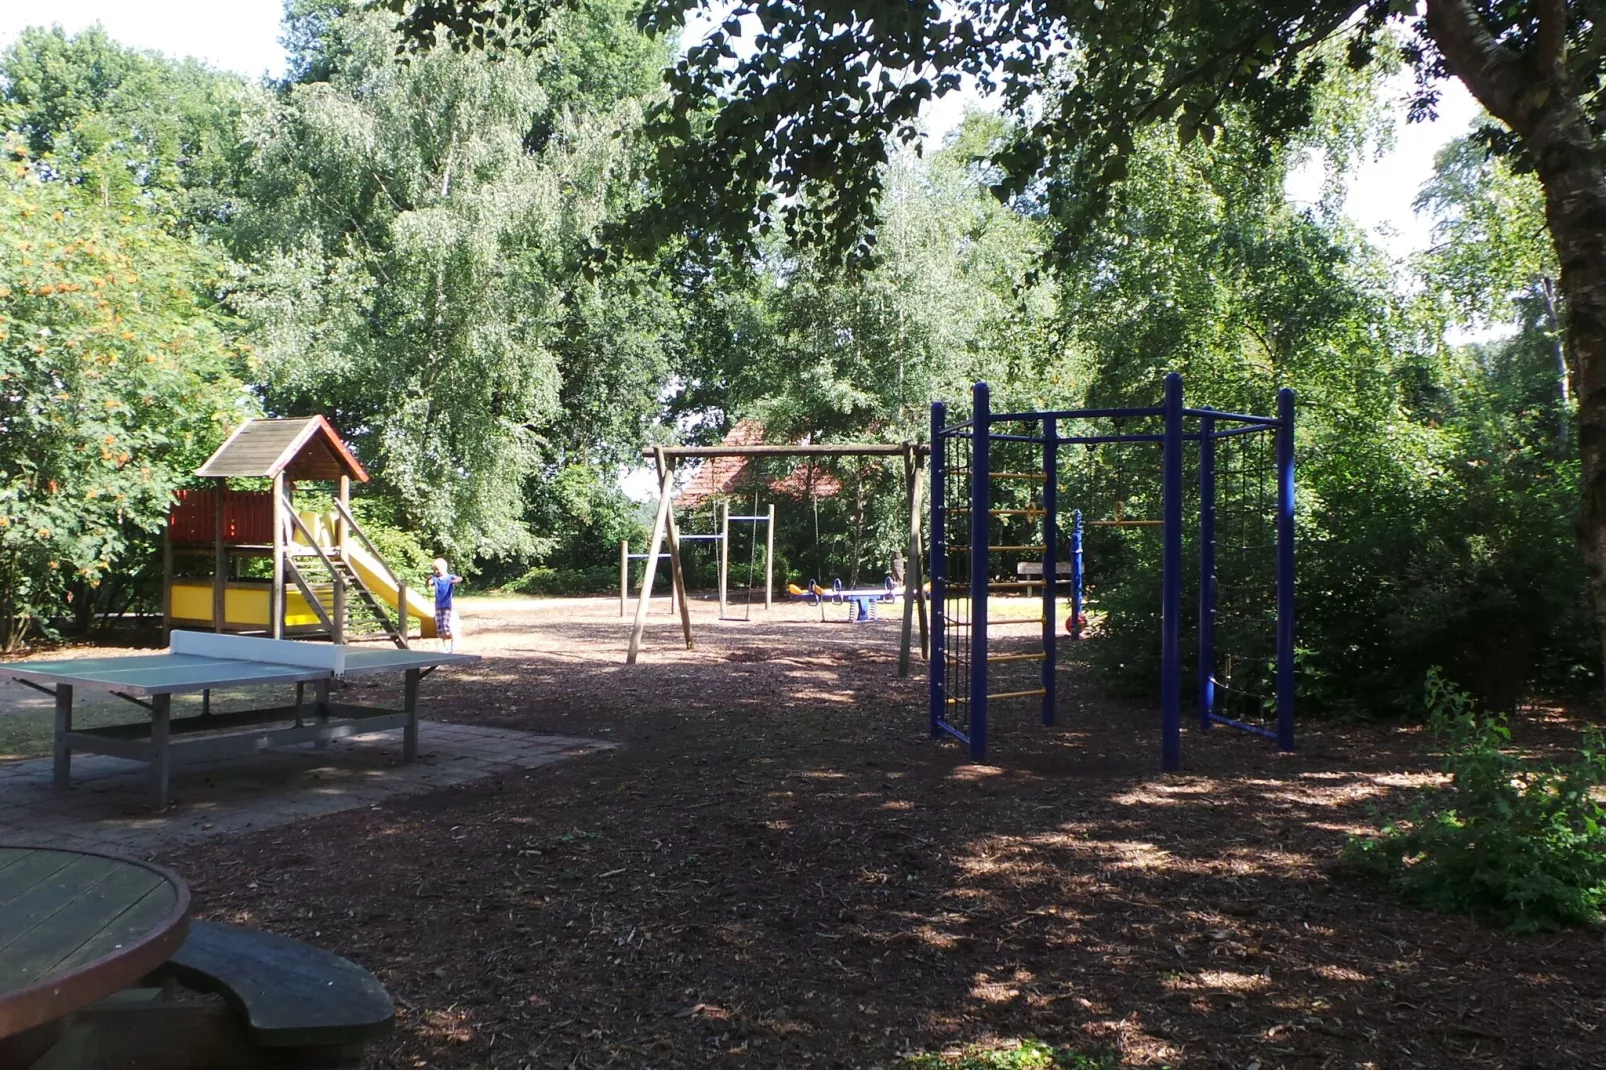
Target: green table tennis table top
168, 674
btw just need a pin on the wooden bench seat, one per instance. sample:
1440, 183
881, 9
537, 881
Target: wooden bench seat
283, 1004
288, 993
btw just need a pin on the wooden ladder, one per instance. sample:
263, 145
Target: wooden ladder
345, 576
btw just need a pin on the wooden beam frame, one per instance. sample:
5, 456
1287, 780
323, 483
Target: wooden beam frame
724, 510
914, 586
769, 558
871, 449
280, 549
666, 470
663, 525
341, 613
220, 559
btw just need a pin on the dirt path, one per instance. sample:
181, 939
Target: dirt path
778, 869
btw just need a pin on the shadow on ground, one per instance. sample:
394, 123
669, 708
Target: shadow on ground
778, 869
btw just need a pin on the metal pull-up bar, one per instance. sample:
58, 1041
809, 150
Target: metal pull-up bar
625, 557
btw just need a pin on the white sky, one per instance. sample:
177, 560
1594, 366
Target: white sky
236, 35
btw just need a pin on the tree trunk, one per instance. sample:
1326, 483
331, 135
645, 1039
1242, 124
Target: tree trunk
82, 596
1530, 95
13, 619
1575, 203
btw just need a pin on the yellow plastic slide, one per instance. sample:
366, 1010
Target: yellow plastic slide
382, 582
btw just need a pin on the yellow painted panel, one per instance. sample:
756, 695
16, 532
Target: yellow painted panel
242, 604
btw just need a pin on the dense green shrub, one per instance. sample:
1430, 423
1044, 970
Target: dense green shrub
1509, 844
568, 582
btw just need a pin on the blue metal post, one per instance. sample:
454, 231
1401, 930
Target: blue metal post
1076, 574
1171, 583
938, 671
1285, 570
1207, 570
1051, 576
980, 559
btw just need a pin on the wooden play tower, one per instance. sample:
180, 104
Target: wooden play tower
323, 566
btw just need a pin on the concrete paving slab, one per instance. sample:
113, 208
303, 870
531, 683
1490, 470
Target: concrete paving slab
106, 808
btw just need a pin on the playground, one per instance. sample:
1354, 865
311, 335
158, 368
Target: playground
775, 866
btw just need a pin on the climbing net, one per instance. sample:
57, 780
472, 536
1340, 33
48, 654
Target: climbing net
1241, 688
951, 576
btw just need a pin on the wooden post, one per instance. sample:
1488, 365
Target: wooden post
404, 621
676, 574
220, 558
769, 558
343, 495
624, 574
167, 583
280, 548
914, 585
659, 525
724, 555
909, 483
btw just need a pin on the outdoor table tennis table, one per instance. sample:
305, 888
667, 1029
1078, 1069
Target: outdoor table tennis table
204, 661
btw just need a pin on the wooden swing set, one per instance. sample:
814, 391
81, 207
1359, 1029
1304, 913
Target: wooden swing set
664, 527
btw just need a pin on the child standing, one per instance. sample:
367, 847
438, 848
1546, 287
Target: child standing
443, 583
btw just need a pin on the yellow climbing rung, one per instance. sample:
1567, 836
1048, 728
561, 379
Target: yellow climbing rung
1005, 549
1016, 694
1123, 523
1006, 512
1015, 657
1035, 476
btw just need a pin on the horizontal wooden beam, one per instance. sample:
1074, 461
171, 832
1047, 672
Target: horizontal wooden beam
826, 450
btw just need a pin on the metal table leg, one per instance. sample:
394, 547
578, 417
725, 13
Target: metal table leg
63, 769
161, 708
320, 690
410, 707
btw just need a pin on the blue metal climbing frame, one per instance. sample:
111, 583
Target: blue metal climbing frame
964, 486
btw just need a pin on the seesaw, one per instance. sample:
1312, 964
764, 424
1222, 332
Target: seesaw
863, 599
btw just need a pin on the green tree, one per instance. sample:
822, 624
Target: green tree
128, 123
1494, 262
117, 378
819, 353
412, 228
791, 133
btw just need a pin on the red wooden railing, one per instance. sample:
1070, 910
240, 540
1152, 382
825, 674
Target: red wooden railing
247, 516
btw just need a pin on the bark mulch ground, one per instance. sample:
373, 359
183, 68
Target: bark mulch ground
778, 869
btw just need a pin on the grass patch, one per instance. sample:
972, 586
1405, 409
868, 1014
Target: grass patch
1017, 1055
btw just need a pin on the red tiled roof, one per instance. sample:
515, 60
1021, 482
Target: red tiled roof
734, 476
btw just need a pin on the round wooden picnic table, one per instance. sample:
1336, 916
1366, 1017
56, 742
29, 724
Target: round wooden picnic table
76, 926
